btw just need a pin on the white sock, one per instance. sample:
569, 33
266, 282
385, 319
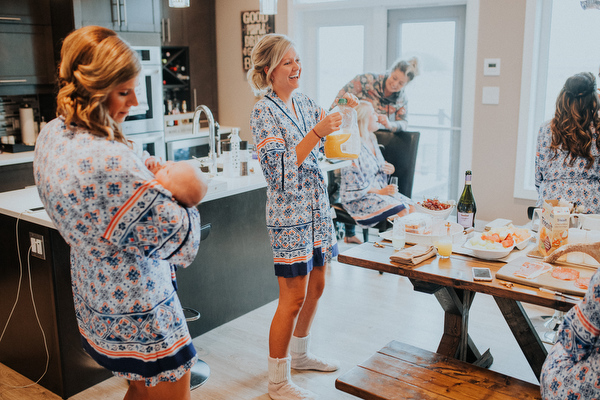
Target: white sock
302, 358
281, 386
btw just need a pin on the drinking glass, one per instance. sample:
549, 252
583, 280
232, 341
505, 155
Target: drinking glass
398, 234
394, 180
442, 240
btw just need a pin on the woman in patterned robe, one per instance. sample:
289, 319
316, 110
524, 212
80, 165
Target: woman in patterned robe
126, 232
364, 192
572, 367
288, 129
567, 163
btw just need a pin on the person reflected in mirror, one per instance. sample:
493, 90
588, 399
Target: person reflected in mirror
364, 190
385, 92
289, 130
127, 235
566, 163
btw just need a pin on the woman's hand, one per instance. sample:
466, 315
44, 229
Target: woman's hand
388, 168
383, 120
352, 99
388, 190
329, 124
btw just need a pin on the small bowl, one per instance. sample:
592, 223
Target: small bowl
488, 254
442, 214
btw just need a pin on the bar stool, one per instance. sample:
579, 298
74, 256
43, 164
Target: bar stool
200, 370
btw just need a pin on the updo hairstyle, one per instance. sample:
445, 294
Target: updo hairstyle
267, 53
576, 118
410, 67
94, 61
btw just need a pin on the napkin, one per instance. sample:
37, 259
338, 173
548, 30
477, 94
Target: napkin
413, 255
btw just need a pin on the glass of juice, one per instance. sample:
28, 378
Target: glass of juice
442, 240
398, 234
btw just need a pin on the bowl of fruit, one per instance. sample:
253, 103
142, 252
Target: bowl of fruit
436, 208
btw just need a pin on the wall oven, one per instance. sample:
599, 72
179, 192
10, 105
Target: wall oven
147, 116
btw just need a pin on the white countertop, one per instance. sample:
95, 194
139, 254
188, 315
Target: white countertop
16, 158
25, 203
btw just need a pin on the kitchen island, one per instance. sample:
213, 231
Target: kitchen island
232, 275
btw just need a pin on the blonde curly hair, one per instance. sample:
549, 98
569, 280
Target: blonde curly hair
94, 61
266, 54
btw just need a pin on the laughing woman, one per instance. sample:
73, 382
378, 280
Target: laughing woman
288, 129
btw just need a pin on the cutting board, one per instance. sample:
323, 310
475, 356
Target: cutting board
545, 280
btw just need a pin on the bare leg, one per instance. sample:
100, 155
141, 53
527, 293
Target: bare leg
179, 390
292, 292
316, 284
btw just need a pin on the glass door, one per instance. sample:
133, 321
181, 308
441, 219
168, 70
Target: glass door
435, 35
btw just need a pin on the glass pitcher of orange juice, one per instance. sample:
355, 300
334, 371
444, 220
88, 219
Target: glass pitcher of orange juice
344, 144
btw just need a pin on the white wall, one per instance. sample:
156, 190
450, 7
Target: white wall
236, 99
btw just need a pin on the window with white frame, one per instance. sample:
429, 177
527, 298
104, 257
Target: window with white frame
561, 39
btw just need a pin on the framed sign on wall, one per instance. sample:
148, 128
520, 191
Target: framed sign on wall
254, 26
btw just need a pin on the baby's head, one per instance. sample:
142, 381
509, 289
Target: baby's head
181, 178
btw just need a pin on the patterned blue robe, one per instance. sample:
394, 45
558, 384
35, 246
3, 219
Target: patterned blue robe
298, 211
127, 237
555, 179
572, 369
365, 173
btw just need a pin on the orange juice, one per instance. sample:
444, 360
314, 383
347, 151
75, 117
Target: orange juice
444, 248
334, 147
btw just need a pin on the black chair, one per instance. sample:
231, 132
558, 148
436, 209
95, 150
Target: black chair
200, 370
400, 150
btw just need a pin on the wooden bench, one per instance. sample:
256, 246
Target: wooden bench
401, 371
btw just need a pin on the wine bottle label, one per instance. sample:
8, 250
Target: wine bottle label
465, 219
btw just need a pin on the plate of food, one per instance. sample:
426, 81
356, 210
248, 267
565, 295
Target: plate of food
420, 229
498, 242
437, 208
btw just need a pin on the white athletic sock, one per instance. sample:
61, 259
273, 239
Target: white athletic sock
302, 358
281, 386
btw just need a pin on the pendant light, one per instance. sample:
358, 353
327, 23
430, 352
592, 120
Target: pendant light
179, 3
268, 7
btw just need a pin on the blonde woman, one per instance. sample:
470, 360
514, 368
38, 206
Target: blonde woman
126, 232
364, 191
385, 92
288, 129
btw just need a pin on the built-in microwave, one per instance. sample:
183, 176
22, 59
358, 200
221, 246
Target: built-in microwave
187, 149
147, 116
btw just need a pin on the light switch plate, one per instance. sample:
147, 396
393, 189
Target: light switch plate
491, 95
491, 67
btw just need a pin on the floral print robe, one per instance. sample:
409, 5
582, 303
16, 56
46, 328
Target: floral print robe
298, 210
127, 237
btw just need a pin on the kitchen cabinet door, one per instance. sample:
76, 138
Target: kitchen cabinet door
26, 55
119, 15
173, 25
25, 11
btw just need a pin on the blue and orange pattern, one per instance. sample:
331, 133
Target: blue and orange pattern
572, 369
127, 237
556, 179
366, 173
298, 211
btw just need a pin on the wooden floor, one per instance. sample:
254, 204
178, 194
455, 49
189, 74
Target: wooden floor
359, 313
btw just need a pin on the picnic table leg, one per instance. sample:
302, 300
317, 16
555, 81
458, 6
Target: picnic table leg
524, 332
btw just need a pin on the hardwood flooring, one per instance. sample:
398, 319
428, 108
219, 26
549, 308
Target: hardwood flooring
359, 313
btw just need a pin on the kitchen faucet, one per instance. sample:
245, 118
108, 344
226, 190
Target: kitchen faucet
212, 154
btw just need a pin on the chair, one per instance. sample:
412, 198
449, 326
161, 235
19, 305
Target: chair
400, 150
200, 370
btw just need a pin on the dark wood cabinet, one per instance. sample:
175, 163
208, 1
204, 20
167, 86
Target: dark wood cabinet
173, 25
119, 15
26, 56
199, 35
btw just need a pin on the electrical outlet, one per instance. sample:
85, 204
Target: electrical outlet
37, 245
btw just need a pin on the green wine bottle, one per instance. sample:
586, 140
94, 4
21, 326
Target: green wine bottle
466, 208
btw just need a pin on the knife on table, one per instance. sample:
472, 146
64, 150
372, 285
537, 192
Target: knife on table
556, 293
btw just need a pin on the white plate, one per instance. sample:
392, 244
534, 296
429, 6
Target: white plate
456, 230
487, 254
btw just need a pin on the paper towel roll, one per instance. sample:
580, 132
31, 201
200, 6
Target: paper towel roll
27, 126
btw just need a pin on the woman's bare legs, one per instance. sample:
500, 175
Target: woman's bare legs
316, 285
179, 390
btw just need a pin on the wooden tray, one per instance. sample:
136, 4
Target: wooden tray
545, 280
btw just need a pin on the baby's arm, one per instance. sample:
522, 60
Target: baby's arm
153, 164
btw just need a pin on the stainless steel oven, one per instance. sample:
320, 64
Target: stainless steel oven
147, 116
152, 142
